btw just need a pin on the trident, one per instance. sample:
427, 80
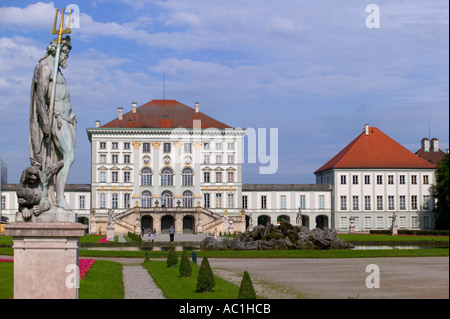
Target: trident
59, 32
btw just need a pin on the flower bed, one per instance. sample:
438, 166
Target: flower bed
6, 260
103, 240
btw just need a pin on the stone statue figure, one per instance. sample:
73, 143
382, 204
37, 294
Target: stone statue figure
299, 218
394, 219
52, 136
110, 219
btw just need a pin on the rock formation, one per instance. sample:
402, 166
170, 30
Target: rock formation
285, 236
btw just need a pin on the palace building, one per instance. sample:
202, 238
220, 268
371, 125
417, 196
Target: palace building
165, 163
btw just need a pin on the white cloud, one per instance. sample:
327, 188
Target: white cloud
39, 15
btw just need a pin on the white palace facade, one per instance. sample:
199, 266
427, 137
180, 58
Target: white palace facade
165, 163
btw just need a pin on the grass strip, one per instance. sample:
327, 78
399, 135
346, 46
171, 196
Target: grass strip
175, 287
6, 280
103, 281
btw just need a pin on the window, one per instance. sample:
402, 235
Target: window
379, 202
344, 222
218, 159
188, 199
367, 202
426, 202
206, 177
102, 200
402, 179
206, 146
263, 201
218, 177
188, 147
343, 202
414, 202
3, 202
167, 147
146, 177
379, 222
114, 177
126, 200
166, 177
355, 202
146, 147
102, 158
126, 145
379, 179
367, 179
230, 146
102, 177
218, 200
302, 201
343, 179
207, 200
402, 202
126, 177
426, 221
103, 145
82, 201
230, 177
115, 159
367, 222
146, 199
126, 159
425, 179
187, 177
230, 159
413, 179
391, 203
283, 202
321, 201
414, 222
390, 179
206, 159
166, 199
355, 179
115, 145
402, 222
245, 202
218, 146
114, 200
230, 200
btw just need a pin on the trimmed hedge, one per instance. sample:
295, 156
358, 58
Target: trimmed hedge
411, 232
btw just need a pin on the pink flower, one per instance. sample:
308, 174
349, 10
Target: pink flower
84, 266
6, 260
103, 240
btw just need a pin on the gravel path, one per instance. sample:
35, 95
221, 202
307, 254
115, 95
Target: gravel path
139, 284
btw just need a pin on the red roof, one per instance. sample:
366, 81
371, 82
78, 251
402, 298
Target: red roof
375, 150
164, 114
431, 156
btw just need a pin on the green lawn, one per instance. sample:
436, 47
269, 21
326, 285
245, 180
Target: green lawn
103, 281
389, 238
6, 280
175, 287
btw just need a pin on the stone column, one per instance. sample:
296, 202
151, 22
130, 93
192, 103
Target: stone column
46, 259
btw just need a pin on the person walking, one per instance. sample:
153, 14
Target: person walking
154, 232
171, 233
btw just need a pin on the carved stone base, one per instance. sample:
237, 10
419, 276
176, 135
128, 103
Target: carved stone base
53, 215
45, 259
110, 233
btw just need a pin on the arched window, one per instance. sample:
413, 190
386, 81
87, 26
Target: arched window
166, 177
146, 177
146, 199
188, 199
167, 199
187, 177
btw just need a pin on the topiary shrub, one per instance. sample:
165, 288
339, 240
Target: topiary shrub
185, 266
246, 290
205, 279
172, 259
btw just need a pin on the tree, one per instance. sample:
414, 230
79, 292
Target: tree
246, 290
172, 259
185, 266
205, 279
441, 194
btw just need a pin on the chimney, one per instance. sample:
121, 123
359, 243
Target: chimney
120, 117
196, 107
97, 123
366, 129
133, 107
425, 144
435, 144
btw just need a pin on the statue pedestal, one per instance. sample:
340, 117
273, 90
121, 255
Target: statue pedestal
394, 230
45, 259
110, 233
352, 229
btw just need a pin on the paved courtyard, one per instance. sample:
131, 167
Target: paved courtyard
419, 277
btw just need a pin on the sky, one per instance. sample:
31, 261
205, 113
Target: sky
316, 71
